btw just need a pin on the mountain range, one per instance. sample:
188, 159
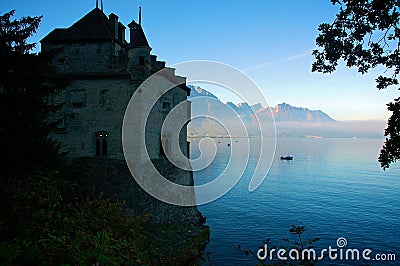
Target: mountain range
282, 112
290, 121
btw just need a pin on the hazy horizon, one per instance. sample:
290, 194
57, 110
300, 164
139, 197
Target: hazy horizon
225, 96
208, 112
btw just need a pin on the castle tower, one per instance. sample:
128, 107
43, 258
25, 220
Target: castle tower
139, 63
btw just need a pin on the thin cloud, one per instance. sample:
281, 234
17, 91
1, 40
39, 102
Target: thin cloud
289, 58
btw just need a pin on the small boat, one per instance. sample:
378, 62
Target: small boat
287, 158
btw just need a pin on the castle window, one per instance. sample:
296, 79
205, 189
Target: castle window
78, 98
166, 106
77, 105
141, 60
101, 144
98, 51
103, 98
60, 126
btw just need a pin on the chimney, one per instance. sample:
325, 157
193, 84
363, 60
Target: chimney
113, 20
132, 28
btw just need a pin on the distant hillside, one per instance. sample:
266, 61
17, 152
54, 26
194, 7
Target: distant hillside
286, 112
290, 121
196, 91
282, 112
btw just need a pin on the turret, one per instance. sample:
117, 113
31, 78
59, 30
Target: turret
139, 52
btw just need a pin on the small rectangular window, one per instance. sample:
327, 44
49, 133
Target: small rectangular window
166, 106
141, 60
103, 98
78, 98
60, 126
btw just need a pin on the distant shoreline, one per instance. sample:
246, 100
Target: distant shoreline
224, 137
280, 137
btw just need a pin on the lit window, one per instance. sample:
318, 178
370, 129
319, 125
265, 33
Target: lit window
101, 144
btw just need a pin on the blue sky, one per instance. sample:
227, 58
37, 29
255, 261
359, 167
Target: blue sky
271, 41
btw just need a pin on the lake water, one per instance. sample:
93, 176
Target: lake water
334, 187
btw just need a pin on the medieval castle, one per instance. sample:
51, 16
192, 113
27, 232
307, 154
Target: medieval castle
103, 71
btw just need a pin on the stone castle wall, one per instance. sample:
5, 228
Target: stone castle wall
112, 177
86, 57
97, 106
92, 107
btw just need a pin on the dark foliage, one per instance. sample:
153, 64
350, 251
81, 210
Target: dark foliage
365, 34
24, 87
24, 143
14, 33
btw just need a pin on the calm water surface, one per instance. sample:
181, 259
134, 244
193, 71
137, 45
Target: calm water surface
334, 187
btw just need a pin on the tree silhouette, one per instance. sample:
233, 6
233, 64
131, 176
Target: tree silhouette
14, 33
365, 34
25, 84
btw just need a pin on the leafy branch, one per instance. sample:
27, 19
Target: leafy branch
354, 37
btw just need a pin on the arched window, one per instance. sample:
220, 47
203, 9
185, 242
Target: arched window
101, 144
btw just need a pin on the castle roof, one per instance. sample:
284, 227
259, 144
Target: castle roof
94, 26
137, 35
